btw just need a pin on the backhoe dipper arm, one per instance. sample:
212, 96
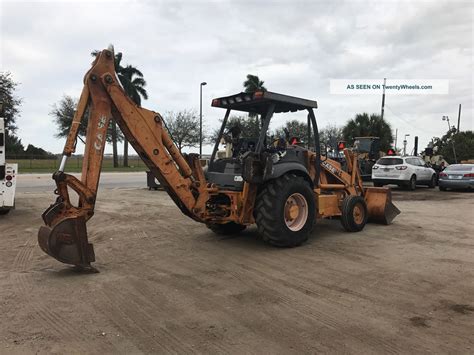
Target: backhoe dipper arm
64, 235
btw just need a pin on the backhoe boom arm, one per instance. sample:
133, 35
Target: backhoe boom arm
64, 235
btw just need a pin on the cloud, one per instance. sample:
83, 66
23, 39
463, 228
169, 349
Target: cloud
295, 47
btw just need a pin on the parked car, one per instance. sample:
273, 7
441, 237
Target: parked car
407, 171
457, 176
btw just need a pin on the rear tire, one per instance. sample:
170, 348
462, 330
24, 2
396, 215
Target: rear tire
285, 211
226, 228
441, 188
4, 211
378, 184
432, 183
354, 213
412, 183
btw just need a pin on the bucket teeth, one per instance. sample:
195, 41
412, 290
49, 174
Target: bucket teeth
67, 242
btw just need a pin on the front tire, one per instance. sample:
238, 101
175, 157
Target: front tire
442, 188
354, 213
378, 184
285, 211
226, 228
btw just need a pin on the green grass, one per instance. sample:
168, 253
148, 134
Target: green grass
74, 164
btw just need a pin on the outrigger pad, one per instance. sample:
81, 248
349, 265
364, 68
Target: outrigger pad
380, 206
67, 242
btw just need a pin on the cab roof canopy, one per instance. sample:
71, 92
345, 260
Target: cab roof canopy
260, 101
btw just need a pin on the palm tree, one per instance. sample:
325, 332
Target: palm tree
253, 83
134, 85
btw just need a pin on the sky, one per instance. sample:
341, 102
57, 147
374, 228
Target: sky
296, 47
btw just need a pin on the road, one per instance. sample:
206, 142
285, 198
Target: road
44, 182
169, 285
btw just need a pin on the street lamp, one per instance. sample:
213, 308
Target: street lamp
446, 118
200, 118
405, 144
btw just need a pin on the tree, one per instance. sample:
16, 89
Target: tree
249, 127
134, 85
11, 102
364, 125
294, 128
330, 135
183, 128
15, 149
33, 152
10, 112
63, 114
253, 83
463, 143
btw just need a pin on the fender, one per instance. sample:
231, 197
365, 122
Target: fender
285, 167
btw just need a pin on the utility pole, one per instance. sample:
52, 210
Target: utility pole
200, 118
383, 97
396, 136
446, 118
459, 116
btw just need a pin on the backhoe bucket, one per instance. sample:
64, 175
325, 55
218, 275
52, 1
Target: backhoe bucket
67, 242
380, 206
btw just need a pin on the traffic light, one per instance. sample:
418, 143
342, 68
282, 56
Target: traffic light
391, 152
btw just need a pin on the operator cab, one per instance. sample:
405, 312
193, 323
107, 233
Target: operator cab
258, 158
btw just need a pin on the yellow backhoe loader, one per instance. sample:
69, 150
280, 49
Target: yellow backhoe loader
282, 186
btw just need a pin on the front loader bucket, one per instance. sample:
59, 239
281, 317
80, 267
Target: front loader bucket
380, 206
67, 242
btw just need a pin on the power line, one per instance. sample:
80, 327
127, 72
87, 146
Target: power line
409, 123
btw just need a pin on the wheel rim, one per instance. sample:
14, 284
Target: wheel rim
358, 214
296, 212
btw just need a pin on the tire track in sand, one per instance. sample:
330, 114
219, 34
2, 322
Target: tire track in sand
46, 316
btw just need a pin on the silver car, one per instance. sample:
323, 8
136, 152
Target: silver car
457, 176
